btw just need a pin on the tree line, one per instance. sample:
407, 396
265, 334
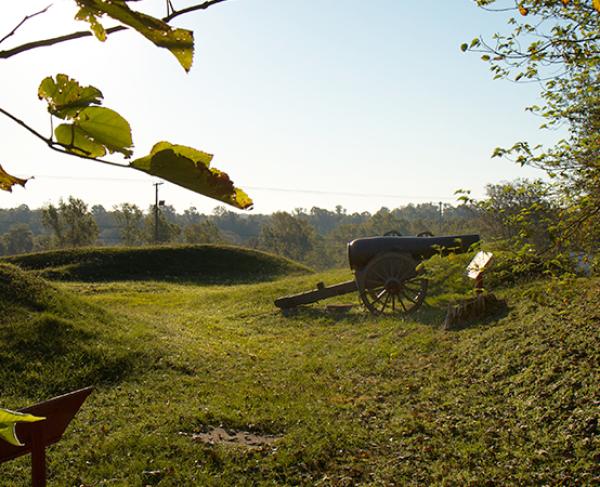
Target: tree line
517, 213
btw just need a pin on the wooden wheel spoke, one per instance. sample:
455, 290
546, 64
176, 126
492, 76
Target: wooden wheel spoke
403, 306
379, 296
385, 303
382, 277
389, 285
412, 300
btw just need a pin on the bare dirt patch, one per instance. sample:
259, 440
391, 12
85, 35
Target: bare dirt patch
218, 435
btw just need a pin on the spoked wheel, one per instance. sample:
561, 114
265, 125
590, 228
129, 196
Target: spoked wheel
390, 285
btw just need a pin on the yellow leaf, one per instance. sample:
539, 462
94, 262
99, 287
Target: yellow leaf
179, 41
190, 168
596, 4
7, 181
565, 2
523, 10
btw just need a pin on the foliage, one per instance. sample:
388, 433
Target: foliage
520, 213
191, 169
287, 235
205, 232
94, 130
130, 220
159, 228
179, 41
71, 223
19, 239
90, 131
7, 181
8, 421
558, 45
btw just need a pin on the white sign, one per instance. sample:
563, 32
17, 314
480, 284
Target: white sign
481, 262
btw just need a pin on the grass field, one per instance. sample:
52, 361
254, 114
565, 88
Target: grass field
329, 399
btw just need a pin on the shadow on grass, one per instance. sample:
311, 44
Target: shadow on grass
428, 315
200, 264
50, 355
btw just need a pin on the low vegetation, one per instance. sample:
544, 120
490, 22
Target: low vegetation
326, 399
195, 263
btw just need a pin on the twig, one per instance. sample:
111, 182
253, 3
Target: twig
27, 17
193, 8
52, 41
55, 145
78, 35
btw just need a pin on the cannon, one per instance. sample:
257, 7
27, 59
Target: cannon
386, 272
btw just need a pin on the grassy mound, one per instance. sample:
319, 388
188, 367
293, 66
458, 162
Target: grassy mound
215, 264
51, 342
352, 399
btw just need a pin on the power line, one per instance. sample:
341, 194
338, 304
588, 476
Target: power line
278, 190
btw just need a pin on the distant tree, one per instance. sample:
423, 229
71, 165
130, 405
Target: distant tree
521, 211
71, 223
287, 235
385, 221
205, 232
42, 242
165, 232
18, 240
556, 44
130, 219
191, 215
324, 220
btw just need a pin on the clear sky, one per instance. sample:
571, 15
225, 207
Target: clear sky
304, 103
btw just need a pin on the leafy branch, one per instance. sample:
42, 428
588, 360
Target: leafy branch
90, 130
56, 146
28, 46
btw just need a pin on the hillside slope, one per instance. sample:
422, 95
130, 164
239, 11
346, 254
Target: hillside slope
52, 342
340, 400
195, 263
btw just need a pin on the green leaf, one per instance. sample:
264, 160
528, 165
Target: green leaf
179, 41
75, 140
106, 127
66, 97
7, 181
87, 15
190, 168
8, 420
95, 131
464, 46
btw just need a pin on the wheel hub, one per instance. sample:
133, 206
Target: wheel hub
393, 286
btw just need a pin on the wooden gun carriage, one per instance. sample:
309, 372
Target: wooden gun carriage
386, 273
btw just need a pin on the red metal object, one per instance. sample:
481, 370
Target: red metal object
58, 412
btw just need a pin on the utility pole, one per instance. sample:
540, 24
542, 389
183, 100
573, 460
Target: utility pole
156, 185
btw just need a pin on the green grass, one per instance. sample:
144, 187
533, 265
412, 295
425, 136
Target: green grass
206, 264
358, 400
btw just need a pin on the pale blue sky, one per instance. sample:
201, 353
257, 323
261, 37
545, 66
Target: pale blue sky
317, 96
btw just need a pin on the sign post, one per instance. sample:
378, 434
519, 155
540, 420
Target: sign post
35, 437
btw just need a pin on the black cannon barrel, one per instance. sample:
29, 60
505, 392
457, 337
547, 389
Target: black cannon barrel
362, 250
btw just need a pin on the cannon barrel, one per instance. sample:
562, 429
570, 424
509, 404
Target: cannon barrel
362, 250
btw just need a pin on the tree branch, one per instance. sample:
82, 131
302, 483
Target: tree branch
55, 145
78, 35
27, 17
193, 8
52, 41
